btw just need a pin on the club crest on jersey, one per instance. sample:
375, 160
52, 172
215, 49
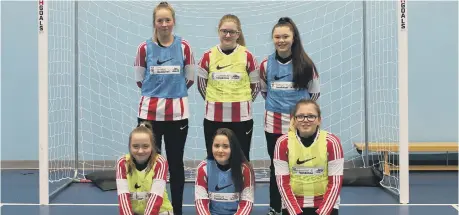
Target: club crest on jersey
164, 70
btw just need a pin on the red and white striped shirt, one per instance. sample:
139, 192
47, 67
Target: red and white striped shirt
228, 111
278, 123
157, 188
164, 109
201, 192
326, 203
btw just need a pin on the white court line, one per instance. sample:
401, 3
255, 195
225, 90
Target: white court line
456, 207
192, 205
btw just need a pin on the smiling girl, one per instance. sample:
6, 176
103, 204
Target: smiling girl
141, 176
228, 81
309, 164
164, 69
287, 76
225, 181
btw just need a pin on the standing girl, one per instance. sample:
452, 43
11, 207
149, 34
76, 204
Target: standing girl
164, 69
229, 82
287, 75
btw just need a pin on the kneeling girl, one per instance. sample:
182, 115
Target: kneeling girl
224, 182
141, 176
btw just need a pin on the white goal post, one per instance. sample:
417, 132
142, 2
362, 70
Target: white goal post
403, 100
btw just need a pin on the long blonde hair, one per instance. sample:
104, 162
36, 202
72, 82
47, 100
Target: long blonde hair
145, 128
162, 5
235, 19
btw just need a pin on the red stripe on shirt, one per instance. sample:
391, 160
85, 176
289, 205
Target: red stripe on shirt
277, 121
236, 112
169, 110
218, 114
124, 199
152, 106
141, 103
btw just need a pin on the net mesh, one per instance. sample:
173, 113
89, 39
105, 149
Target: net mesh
108, 34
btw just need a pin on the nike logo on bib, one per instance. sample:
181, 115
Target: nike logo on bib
136, 186
161, 62
222, 67
303, 161
221, 188
278, 78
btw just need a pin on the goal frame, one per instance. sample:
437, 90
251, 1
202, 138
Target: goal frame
43, 130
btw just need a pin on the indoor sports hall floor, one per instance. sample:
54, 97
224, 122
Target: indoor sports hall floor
432, 193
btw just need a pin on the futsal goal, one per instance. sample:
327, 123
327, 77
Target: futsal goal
88, 98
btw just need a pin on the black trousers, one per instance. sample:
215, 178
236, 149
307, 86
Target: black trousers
175, 134
243, 131
274, 195
310, 211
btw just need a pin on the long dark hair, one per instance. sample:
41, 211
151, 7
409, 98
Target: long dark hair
303, 67
236, 160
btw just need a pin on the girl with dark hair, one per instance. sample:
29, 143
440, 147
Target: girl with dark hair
287, 76
224, 181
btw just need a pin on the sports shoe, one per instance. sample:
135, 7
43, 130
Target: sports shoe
273, 212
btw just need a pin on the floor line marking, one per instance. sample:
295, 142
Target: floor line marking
455, 207
192, 205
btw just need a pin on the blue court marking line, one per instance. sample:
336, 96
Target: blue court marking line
456, 207
192, 205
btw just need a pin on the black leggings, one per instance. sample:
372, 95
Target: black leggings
243, 131
310, 211
175, 134
274, 195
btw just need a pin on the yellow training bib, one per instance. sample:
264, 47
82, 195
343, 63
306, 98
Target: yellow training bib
228, 79
308, 166
139, 184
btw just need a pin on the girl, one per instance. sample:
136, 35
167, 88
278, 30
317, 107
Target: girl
309, 164
164, 69
225, 181
287, 76
228, 81
141, 176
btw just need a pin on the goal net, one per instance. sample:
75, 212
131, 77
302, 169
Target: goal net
92, 98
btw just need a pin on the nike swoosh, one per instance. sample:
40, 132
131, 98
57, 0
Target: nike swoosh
248, 132
181, 128
161, 62
221, 67
221, 188
303, 161
278, 78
